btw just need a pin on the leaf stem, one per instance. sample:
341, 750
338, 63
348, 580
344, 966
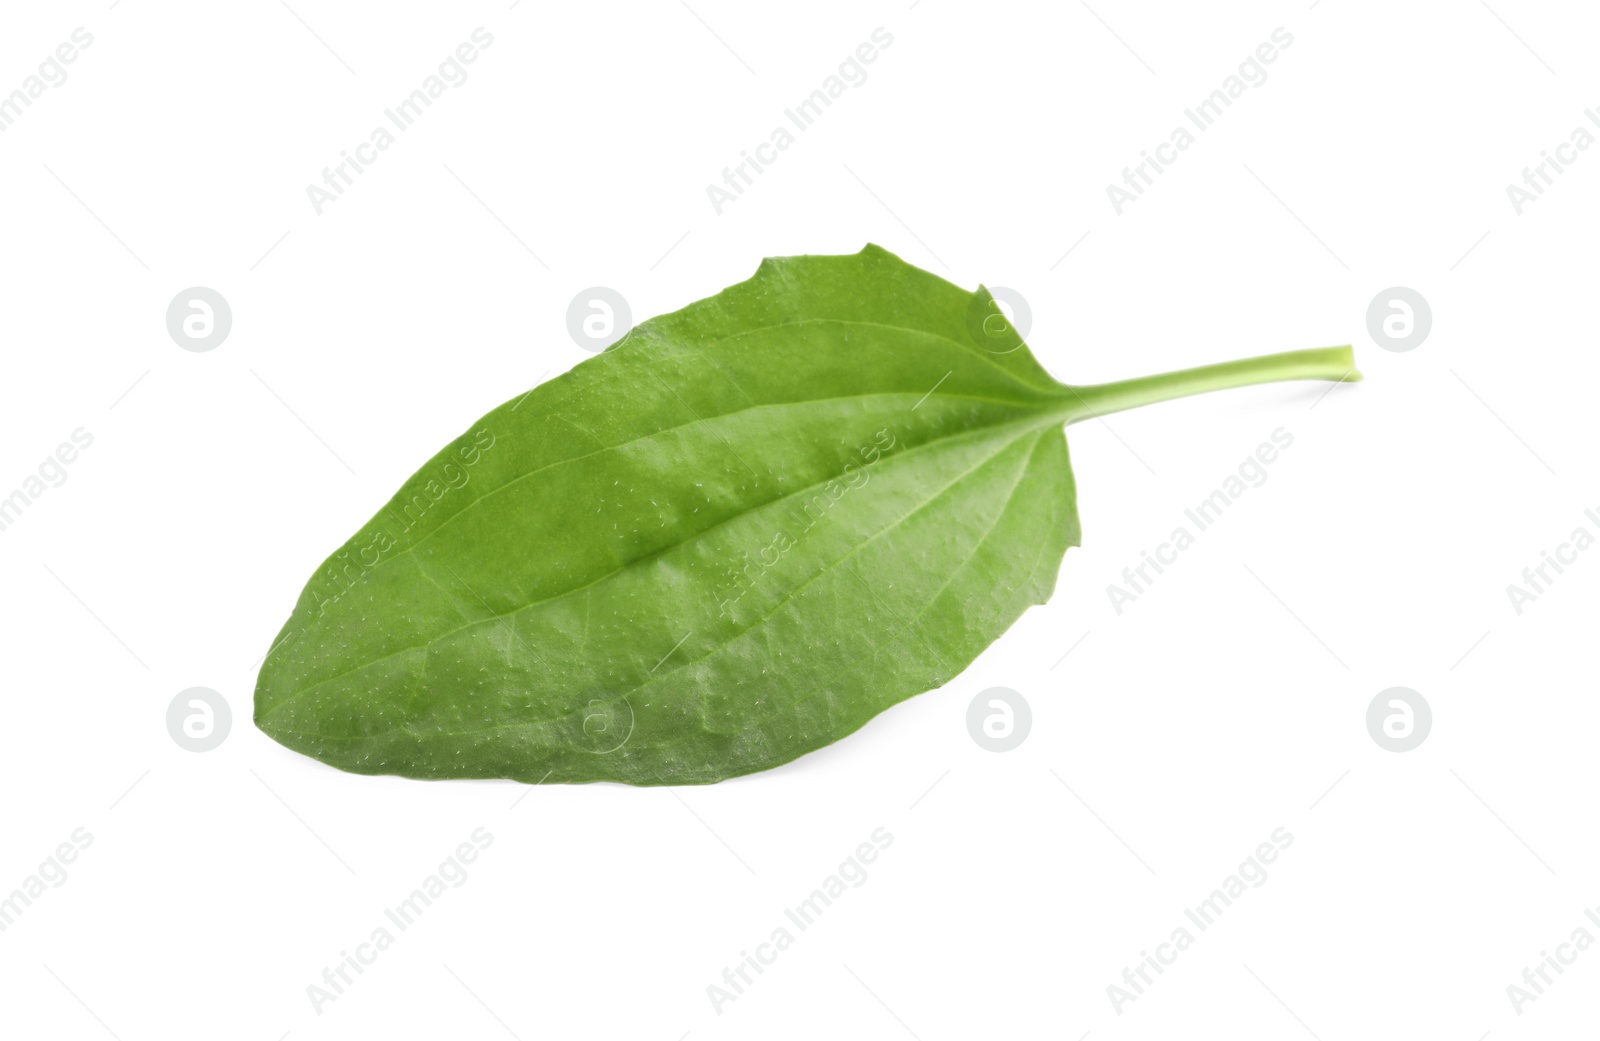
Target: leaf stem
1322, 363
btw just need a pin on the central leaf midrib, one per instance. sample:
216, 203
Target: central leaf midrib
698, 420
1023, 467
1027, 424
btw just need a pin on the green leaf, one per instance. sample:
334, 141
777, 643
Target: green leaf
730, 539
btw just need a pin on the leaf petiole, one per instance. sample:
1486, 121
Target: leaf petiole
1322, 363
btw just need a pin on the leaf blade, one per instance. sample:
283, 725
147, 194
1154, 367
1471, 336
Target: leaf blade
394, 671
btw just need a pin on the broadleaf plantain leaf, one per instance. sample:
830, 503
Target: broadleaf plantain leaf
730, 539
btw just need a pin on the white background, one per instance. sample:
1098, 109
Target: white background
1173, 738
